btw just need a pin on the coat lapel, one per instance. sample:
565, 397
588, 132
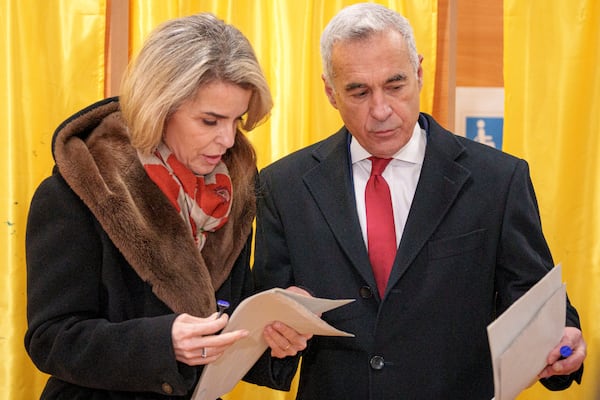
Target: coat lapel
441, 180
330, 184
439, 184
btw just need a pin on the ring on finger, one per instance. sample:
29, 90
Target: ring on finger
203, 354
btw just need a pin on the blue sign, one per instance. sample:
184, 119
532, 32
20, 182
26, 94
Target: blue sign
486, 130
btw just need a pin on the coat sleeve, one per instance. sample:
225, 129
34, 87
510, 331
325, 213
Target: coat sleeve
70, 332
271, 269
523, 251
272, 265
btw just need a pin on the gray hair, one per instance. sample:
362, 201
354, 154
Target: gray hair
360, 21
179, 57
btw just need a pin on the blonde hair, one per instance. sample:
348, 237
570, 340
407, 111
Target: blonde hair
177, 58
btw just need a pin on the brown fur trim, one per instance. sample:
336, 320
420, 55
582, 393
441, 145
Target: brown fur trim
104, 170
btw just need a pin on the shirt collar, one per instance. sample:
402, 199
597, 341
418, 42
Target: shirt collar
412, 152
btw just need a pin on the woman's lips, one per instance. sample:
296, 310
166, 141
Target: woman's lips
212, 159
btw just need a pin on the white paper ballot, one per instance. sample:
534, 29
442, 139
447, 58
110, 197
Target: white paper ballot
523, 336
254, 313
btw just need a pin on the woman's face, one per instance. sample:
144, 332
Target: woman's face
203, 128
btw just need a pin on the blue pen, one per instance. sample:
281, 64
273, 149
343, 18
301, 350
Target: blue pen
222, 306
565, 351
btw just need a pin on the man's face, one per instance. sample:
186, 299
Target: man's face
376, 90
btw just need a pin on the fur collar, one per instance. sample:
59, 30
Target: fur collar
94, 155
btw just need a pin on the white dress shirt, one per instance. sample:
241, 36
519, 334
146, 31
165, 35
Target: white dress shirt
402, 175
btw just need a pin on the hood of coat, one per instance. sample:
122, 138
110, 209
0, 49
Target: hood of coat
94, 155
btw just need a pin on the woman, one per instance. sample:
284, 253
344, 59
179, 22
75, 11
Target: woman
147, 220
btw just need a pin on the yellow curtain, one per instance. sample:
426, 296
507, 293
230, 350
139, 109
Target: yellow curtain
552, 119
52, 65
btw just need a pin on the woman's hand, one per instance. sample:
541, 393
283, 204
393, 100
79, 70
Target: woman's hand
283, 340
195, 340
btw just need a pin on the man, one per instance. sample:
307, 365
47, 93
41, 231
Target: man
466, 226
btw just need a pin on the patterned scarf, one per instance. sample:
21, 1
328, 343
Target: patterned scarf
203, 201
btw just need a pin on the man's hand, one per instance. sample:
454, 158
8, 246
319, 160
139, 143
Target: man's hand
573, 338
282, 339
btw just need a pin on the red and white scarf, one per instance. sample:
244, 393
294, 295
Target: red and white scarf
203, 201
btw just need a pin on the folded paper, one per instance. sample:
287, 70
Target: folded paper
523, 336
253, 314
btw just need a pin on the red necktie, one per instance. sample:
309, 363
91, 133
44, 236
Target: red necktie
381, 234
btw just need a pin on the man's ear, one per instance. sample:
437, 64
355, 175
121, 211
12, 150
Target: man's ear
329, 92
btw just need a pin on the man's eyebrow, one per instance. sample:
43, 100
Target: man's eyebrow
352, 86
396, 78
